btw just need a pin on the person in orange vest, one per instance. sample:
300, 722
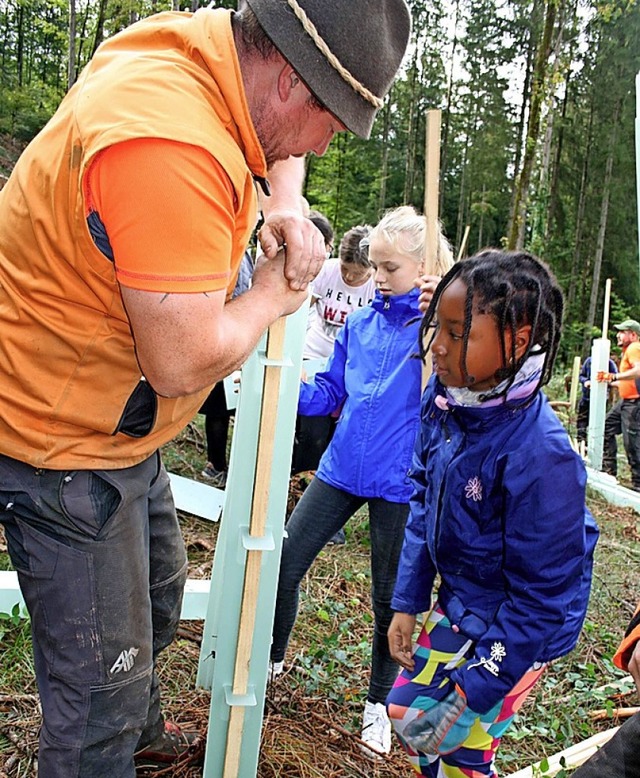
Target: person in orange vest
624, 418
122, 229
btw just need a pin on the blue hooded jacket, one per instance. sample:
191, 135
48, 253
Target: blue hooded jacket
499, 513
374, 375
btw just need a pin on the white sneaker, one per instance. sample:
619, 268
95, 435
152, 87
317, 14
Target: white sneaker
275, 669
376, 729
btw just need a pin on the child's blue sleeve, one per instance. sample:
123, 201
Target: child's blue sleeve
326, 392
416, 571
548, 541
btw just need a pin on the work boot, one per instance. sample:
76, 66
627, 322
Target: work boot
172, 747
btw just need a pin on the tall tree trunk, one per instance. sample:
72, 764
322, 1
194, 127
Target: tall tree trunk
384, 164
447, 109
602, 229
520, 131
518, 221
461, 220
20, 53
410, 158
555, 168
580, 221
99, 36
71, 63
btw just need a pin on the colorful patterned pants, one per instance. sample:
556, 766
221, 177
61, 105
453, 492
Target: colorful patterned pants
440, 650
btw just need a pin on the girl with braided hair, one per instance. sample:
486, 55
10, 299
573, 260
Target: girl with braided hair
498, 513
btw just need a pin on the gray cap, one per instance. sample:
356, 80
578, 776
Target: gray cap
366, 39
628, 324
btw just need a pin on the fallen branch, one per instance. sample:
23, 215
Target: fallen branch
616, 713
187, 634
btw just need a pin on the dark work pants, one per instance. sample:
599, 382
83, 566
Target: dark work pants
321, 512
216, 426
313, 434
102, 567
582, 421
623, 419
619, 757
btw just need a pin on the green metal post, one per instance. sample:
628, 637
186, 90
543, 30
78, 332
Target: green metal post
222, 623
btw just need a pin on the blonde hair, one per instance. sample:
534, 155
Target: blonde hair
405, 230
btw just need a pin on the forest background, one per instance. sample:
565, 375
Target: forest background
537, 152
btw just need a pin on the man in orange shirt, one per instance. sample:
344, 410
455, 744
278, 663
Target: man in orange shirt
624, 417
122, 229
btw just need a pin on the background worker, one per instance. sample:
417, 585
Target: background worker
122, 228
582, 421
624, 418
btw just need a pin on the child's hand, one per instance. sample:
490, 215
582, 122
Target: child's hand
443, 728
427, 286
400, 639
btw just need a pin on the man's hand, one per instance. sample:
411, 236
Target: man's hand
603, 377
400, 635
427, 286
304, 245
269, 279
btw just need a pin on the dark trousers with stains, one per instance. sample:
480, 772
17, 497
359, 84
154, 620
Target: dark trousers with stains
102, 567
619, 757
623, 419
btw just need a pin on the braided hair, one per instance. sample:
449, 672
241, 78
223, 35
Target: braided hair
516, 289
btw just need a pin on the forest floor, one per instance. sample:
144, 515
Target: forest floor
313, 712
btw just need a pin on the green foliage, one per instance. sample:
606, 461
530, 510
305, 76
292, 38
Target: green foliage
25, 111
12, 621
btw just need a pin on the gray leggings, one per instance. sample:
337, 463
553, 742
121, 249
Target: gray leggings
102, 567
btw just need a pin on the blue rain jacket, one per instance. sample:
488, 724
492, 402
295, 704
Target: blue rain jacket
499, 513
374, 375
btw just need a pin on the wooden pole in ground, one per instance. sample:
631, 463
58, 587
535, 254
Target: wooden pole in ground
463, 245
607, 306
431, 198
264, 462
575, 382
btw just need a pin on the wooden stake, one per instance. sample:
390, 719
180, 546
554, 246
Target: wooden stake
607, 302
431, 197
575, 382
264, 462
463, 245
616, 713
431, 192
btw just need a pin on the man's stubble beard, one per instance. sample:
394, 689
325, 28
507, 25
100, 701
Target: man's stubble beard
268, 133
